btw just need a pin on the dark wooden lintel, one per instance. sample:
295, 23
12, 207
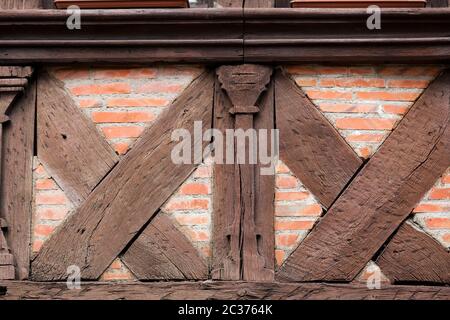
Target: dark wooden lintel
213, 36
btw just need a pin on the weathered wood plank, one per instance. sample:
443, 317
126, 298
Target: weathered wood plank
309, 144
247, 255
20, 4
116, 211
16, 178
382, 194
412, 256
222, 290
68, 144
225, 259
162, 252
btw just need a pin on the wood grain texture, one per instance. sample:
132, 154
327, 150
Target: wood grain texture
17, 179
68, 143
247, 248
381, 196
213, 290
116, 211
413, 256
20, 4
309, 144
162, 252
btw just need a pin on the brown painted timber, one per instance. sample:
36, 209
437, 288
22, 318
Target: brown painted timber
223, 290
162, 252
309, 144
381, 196
225, 35
16, 178
413, 256
245, 246
124, 202
68, 143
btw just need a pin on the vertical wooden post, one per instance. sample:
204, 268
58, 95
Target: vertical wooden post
12, 82
239, 243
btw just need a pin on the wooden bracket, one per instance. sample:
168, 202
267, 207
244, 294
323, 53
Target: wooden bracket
243, 257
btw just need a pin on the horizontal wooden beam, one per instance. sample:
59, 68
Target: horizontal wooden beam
13, 290
224, 35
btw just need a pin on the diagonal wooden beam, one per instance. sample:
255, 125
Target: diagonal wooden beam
116, 211
68, 144
309, 144
381, 196
413, 256
162, 252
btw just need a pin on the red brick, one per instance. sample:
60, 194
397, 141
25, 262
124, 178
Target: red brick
137, 102
51, 198
286, 240
37, 245
107, 88
446, 178
125, 116
111, 73
332, 70
446, 238
365, 123
198, 235
160, 87
43, 230
348, 107
421, 84
203, 172
45, 184
121, 147
395, 109
143, 73
298, 210
374, 137
122, 132
352, 82
286, 182
306, 82
279, 256
440, 194
438, 223
171, 71
89, 103
40, 170
329, 94
428, 207
71, 74
192, 219
195, 188
291, 196
302, 70
293, 225
429, 71
387, 96
109, 276
281, 168
51, 213
359, 71
364, 152
190, 204
116, 264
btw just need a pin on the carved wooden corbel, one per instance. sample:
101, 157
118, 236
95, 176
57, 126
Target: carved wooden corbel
244, 85
13, 81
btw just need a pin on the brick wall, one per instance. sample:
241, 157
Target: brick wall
363, 102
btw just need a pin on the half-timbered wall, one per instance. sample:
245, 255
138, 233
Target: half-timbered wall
364, 103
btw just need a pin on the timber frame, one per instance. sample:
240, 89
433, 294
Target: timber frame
147, 241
